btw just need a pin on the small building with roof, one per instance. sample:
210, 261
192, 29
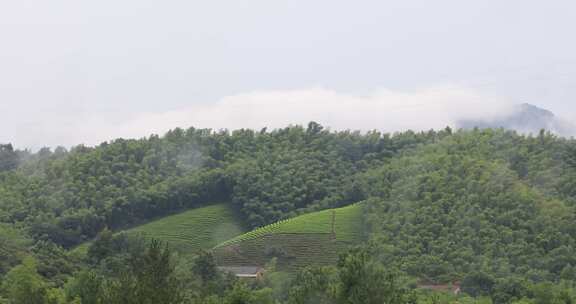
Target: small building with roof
244, 272
453, 288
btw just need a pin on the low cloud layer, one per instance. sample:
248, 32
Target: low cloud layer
385, 110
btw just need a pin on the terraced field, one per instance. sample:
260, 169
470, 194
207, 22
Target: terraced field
200, 228
311, 239
189, 231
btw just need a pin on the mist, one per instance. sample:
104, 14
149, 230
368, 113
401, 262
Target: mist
85, 72
385, 110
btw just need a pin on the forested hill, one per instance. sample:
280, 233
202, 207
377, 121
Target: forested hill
478, 206
444, 205
67, 197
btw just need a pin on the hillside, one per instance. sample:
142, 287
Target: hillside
68, 197
200, 228
473, 206
189, 231
477, 202
311, 239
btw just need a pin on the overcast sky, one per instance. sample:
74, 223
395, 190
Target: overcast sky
86, 71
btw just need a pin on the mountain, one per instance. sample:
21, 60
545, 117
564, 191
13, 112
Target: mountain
491, 209
524, 118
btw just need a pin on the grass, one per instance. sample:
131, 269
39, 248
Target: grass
189, 231
311, 239
200, 228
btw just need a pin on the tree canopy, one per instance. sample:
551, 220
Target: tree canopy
491, 210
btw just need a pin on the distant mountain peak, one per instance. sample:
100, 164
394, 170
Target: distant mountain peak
524, 118
530, 109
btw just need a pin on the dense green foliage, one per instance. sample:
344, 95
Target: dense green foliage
485, 201
357, 279
491, 209
13, 246
68, 197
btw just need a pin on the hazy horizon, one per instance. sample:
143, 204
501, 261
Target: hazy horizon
86, 72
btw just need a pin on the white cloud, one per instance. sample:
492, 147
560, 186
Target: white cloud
385, 110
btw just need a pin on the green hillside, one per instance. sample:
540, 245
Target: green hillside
310, 239
186, 232
199, 228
